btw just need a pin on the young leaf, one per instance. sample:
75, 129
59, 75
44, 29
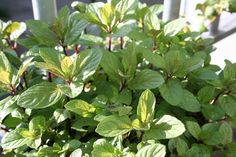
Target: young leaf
146, 79
37, 123
154, 150
165, 128
152, 22
60, 115
40, 96
87, 63
80, 107
102, 148
174, 27
107, 13
72, 90
6, 71
124, 6
146, 107
76, 153
114, 125
172, 92
14, 139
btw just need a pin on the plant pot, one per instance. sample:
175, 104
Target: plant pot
213, 27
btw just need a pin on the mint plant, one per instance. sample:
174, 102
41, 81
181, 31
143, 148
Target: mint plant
112, 79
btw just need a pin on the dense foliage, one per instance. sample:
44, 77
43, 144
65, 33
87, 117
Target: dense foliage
113, 80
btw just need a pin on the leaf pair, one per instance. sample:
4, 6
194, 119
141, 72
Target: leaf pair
70, 68
175, 95
164, 128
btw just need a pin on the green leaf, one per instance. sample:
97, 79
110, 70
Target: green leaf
52, 59
74, 30
102, 148
111, 65
228, 104
174, 27
14, 139
87, 63
229, 71
83, 124
174, 61
165, 128
198, 150
226, 132
114, 125
76, 153
146, 107
72, 90
172, 92
146, 79
193, 128
154, 150
205, 74
206, 94
80, 107
154, 58
179, 145
6, 71
60, 115
213, 112
124, 6
7, 106
210, 134
42, 32
40, 96
189, 102
48, 152
22, 69
129, 60
37, 123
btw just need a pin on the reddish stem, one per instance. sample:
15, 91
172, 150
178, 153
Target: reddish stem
49, 77
109, 42
121, 42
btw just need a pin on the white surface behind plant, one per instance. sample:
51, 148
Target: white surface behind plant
225, 49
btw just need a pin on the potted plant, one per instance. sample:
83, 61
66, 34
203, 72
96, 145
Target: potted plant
142, 87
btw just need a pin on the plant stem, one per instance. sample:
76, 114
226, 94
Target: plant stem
25, 80
4, 129
64, 50
109, 42
49, 77
122, 86
13, 90
141, 136
218, 96
121, 42
77, 49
